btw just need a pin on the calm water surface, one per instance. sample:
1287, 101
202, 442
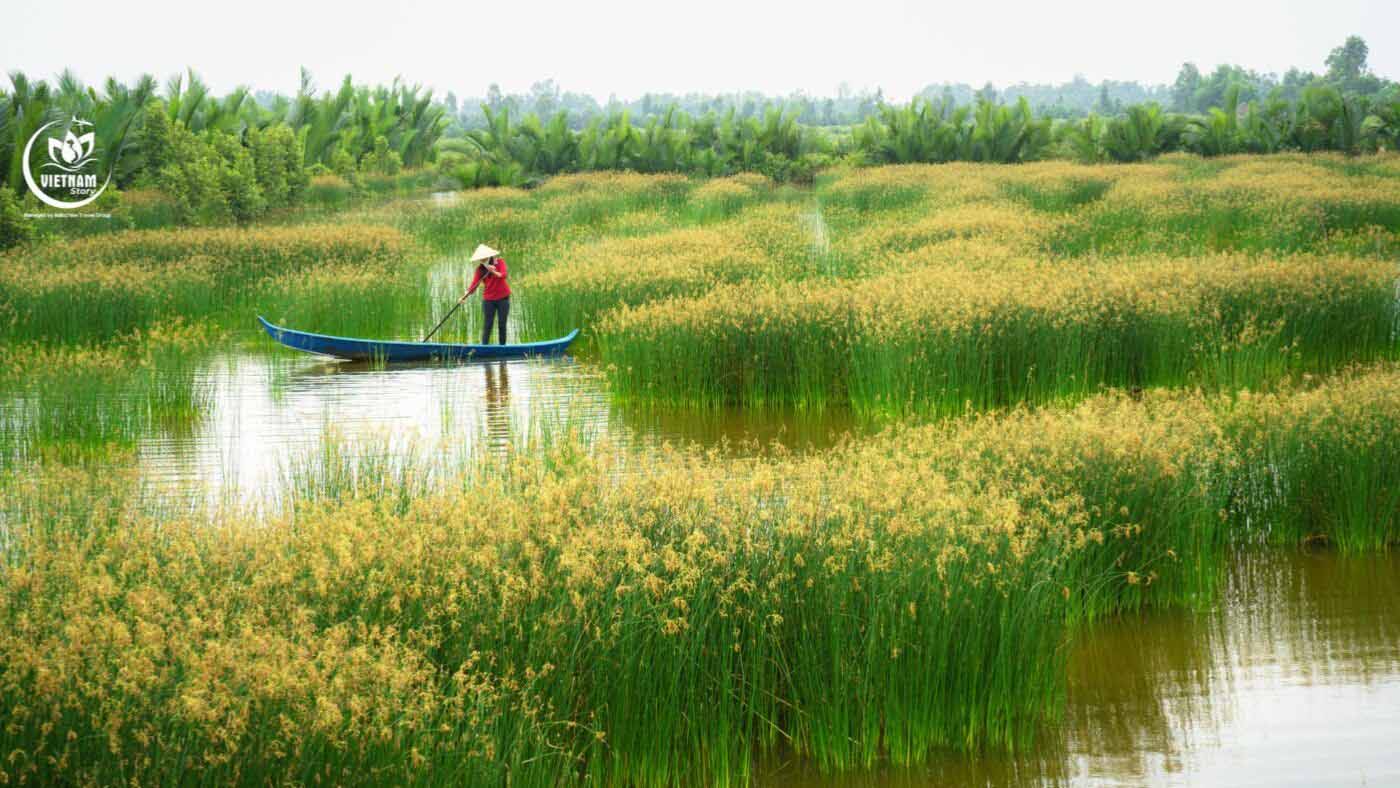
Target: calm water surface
269, 412
1293, 681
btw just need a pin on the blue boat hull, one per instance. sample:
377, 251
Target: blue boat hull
370, 349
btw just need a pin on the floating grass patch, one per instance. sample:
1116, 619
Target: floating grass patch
1256, 204
504, 216
722, 198
1323, 466
875, 190
1204, 229
610, 605
592, 278
76, 401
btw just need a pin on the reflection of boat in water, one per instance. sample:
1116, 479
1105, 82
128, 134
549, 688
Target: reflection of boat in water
390, 351
322, 367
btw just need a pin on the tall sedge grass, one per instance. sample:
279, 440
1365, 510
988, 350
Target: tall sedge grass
1324, 466
567, 613
947, 338
861, 316
80, 399
1135, 487
503, 217
591, 278
97, 288
581, 603
1265, 205
562, 617
722, 198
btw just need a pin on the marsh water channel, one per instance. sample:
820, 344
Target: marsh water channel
1292, 679
269, 414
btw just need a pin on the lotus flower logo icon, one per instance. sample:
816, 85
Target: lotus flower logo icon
72, 152
63, 181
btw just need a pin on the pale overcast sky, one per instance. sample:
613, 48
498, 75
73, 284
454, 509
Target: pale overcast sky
629, 47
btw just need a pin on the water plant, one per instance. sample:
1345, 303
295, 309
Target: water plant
574, 614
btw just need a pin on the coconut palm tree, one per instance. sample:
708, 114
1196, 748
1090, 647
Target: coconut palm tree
1008, 134
1218, 132
321, 123
1141, 133
554, 146
662, 145
26, 107
1328, 120
1267, 126
608, 143
921, 131
1085, 138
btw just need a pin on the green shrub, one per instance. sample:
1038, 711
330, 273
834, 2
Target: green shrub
14, 228
238, 178
191, 178
277, 161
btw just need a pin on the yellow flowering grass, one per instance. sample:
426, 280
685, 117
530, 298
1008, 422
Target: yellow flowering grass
103, 286
1323, 466
765, 244
1260, 204
947, 337
661, 620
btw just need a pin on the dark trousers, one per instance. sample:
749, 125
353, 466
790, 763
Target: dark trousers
490, 310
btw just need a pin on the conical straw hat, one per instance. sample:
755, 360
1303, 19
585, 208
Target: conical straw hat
484, 252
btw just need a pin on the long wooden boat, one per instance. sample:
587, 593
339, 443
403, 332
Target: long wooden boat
374, 349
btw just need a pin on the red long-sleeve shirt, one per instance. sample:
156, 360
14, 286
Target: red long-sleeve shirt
495, 288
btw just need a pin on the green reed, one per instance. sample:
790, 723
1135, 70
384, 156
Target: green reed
1323, 467
99, 288
81, 400
667, 620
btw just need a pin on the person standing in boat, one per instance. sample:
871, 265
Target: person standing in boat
495, 293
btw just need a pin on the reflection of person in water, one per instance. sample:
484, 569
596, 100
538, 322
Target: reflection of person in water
497, 404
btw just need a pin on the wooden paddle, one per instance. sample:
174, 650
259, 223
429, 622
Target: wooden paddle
444, 317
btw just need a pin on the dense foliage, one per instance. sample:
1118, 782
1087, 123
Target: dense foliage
1192, 92
214, 159
653, 620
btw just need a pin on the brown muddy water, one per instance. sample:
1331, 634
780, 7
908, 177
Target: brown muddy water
1293, 680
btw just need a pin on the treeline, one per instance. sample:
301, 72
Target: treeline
234, 158
1322, 119
230, 158
777, 145
1345, 68
546, 98
505, 153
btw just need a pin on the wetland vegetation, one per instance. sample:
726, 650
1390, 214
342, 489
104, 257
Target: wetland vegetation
1074, 393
